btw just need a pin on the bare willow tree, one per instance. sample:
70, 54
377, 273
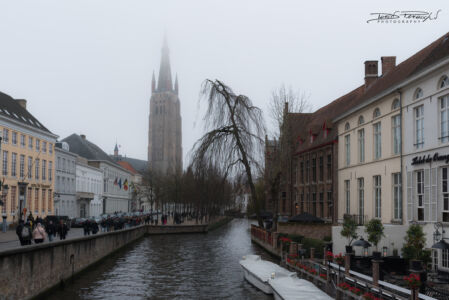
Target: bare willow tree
233, 141
297, 102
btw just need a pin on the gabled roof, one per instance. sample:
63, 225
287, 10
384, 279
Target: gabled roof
127, 166
86, 149
141, 166
11, 109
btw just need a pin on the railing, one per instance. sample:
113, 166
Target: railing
262, 235
437, 293
359, 219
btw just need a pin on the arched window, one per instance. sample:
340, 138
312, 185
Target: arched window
376, 113
444, 82
418, 93
347, 126
361, 120
395, 104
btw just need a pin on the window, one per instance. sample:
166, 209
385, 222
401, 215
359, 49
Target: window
22, 140
376, 113
36, 173
377, 141
444, 81
361, 192
29, 199
22, 167
44, 146
348, 149
49, 205
13, 199
329, 167
397, 196
38, 145
396, 128
36, 200
30, 165
377, 197
361, 120
321, 204
307, 171
14, 164
321, 168
5, 163
314, 203
30, 142
44, 169
361, 136
301, 170
50, 148
50, 171
445, 258
418, 93
419, 126
329, 204
14, 138
396, 104
444, 118
43, 200
420, 194
295, 173
347, 197
445, 194
5, 135
313, 169
347, 126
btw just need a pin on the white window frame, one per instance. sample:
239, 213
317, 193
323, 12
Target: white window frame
348, 149
396, 133
445, 194
397, 196
377, 192
420, 194
377, 134
361, 139
418, 113
348, 196
444, 118
361, 195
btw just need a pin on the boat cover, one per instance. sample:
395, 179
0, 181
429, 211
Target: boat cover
293, 288
263, 268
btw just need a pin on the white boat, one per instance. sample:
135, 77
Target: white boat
258, 271
293, 288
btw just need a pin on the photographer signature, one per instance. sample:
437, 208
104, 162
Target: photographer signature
408, 15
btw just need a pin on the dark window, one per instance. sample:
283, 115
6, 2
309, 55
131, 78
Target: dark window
307, 171
314, 170
329, 167
314, 203
321, 168
302, 172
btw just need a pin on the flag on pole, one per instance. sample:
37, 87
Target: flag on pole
125, 185
120, 183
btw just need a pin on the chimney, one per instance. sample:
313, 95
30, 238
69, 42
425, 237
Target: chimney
371, 72
22, 102
83, 136
388, 64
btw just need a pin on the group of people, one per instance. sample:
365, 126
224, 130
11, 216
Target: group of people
39, 230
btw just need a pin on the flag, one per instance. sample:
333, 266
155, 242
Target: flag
125, 185
120, 183
115, 182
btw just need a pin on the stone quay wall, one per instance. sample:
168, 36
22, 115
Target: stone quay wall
32, 270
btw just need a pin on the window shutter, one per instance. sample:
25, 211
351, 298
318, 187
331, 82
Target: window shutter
427, 209
410, 197
434, 195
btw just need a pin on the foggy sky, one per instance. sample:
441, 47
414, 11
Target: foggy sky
85, 66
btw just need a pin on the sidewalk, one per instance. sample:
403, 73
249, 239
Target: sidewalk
9, 239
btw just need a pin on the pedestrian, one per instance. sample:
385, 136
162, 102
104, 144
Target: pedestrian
27, 236
51, 230
21, 227
86, 227
38, 234
94, 227
62, 230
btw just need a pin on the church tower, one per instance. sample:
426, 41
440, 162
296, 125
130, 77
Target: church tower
165, 129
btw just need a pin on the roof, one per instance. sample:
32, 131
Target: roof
305, 218
139, 165
418, 62
127, 166
11, 109
86, 149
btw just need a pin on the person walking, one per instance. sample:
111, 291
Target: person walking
62, 230
51, 230
20, 230
38, 234
94, 227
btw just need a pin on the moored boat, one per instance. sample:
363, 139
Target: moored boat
257, 272
294, 288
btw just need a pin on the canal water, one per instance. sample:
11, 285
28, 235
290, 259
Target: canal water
188, 266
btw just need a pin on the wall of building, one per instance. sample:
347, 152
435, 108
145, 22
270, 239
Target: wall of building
65, 185
315, 231
89, 181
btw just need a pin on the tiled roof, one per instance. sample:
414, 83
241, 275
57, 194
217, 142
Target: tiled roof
86, 149
11, 109
141, 166
127, 166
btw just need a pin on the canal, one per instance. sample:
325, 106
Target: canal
189, 266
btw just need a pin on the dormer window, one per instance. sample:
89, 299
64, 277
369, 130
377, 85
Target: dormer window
444, 82
347, 126
395, 104
418, 93
376, 113
361, 120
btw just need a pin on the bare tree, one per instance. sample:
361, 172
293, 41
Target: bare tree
297, 102
233, 141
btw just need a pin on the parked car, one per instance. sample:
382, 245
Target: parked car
78, 222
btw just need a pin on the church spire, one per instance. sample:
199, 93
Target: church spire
176, 84
153, 84
164, 83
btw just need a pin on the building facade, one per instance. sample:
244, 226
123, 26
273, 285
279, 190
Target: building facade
27, 166
165, 127
89, 189
65, 184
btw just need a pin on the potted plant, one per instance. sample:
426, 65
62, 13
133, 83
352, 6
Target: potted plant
413, 249
375, 231
349, 231
413, 281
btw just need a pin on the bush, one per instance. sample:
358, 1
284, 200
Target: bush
375, 231
327, 239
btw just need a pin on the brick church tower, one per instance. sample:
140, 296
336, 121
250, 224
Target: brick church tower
165, 129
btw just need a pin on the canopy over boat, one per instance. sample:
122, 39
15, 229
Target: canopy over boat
293, 288
263, 269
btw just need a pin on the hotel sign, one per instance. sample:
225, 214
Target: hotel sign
418, 160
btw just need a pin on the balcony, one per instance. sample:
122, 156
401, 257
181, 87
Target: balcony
359, 219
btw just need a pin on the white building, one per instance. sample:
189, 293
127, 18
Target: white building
89, 189
65, 186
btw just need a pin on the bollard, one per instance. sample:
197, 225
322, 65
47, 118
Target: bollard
376, 267
347, 263
312, 253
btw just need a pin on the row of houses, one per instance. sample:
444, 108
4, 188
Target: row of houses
380, 151
71, 177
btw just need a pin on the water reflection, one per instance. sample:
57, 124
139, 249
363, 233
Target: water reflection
200, 266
